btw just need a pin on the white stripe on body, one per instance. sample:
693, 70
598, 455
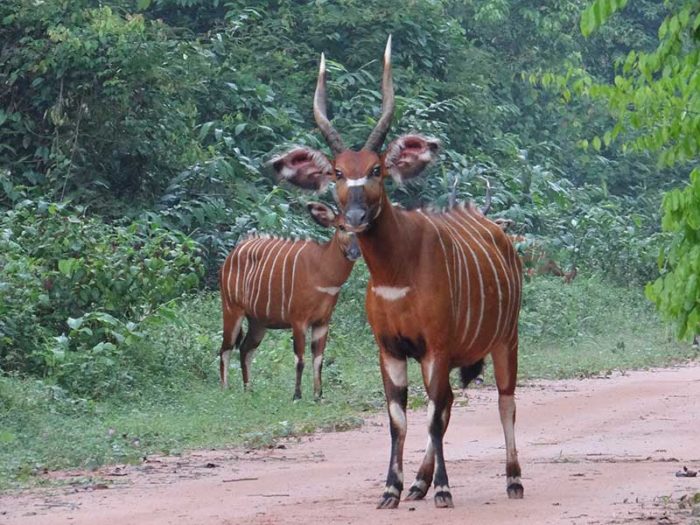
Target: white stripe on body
274, 249
272, 273
256, 283
294, 269
461, 262
250, 264
447, 264
479, 244
226, 274
507, 274
461, 243
240, 270
252, 269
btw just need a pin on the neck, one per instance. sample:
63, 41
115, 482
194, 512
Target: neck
385, 246
334, 266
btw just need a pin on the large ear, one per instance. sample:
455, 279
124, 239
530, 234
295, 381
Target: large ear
304, 167
322, 214
409, 155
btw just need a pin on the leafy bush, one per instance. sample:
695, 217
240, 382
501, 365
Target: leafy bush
75, 286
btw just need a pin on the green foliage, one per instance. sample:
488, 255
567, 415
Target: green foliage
74, 287
655, 100
597, 13
172, 400
92, 100
677, 292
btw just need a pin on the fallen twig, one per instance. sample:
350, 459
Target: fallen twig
239, 479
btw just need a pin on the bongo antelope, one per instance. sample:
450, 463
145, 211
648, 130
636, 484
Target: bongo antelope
444, 288
281, 283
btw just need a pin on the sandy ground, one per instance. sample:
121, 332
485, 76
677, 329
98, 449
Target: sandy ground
592, 451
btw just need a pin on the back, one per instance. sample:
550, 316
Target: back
260, 276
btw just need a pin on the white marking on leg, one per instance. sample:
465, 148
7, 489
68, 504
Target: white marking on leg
225, 361
318, 332
421, 485
392, 490
429, 367
351, 183
398, 416
442, 488
318, 362
391, 293
330, 290
431, 415
397, 472
236, 328
248, 360
506, 409
397, 370
294, 269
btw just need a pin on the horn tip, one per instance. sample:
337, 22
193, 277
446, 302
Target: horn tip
387, 51
322, 66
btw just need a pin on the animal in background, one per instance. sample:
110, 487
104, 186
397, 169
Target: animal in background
534, 256
283, 283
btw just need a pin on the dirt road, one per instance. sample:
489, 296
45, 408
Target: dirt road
592, 451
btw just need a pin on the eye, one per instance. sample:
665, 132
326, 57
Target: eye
376, 171
341, 227
339, 174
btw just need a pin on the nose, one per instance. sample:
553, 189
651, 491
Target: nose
356, 216
353, 252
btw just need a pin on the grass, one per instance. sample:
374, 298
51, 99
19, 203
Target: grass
167, 397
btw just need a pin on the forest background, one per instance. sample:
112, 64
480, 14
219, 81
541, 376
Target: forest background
133, 137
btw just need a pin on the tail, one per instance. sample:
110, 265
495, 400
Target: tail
468, 373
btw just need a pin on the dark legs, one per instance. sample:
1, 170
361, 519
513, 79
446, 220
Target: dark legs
436, 376
394, 375
252, 340
319, 335
299, 336
437, 385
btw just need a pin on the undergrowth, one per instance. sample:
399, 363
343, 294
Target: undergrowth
169, 399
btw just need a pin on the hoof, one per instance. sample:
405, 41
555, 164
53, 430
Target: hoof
515, 491
443, 500
388, 501
415, 493
297, 396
